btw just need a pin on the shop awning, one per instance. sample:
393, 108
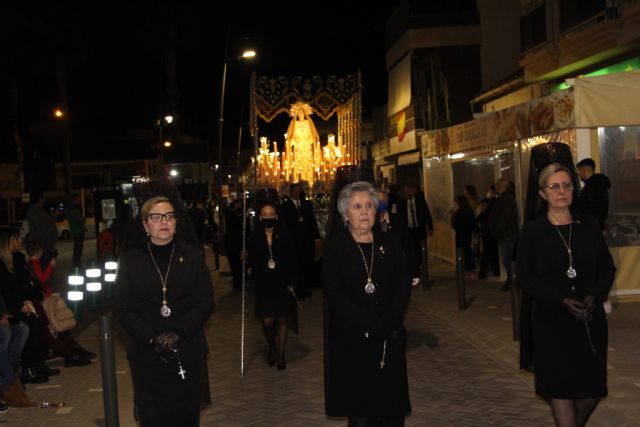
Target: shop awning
609, 100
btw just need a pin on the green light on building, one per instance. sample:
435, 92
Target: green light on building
632, 64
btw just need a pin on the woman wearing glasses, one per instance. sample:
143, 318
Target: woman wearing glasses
564, 265
164, 299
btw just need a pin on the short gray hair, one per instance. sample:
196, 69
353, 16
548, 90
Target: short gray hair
355, 187
550, 170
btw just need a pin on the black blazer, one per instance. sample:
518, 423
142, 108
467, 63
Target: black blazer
302, 223
139, 297
422, 213
398, 226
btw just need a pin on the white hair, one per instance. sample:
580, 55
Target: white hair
355, 187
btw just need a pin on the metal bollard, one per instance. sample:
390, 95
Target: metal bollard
462, 297
425, 266
515, 304
109, 383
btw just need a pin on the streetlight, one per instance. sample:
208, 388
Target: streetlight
247, 54
60, 115
168, 119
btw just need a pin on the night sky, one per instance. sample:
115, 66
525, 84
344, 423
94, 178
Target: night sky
113, 56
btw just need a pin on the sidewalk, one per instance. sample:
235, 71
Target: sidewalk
463, 367
487, 327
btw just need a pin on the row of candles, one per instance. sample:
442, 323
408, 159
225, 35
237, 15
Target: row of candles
275, 167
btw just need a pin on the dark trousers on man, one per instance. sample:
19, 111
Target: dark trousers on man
507, 255
489, 256
78, 246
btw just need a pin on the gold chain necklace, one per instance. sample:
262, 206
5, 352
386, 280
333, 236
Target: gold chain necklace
369, 287
571, 271
165, 311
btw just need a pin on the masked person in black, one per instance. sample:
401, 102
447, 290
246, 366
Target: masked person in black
164, 299
272, 258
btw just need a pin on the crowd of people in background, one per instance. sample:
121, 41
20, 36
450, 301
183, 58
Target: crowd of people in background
488, 229
277, 248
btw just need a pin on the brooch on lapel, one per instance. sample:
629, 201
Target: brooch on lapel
381, 250
181, 259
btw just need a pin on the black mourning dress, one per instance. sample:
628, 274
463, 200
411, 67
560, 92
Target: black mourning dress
162, 397
565, 365
272, 298
358, 325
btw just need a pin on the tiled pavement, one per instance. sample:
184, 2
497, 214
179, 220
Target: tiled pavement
462, 368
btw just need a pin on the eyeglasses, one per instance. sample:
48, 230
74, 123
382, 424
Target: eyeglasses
555, 187
157, 217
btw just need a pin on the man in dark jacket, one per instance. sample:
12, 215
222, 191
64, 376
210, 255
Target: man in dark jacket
415, 210
298, 216
396, 224
594, 197
77, 227
503, 225
42, 227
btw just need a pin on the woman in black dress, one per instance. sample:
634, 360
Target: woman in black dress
273, 260
164, 299
565, 266
367, 287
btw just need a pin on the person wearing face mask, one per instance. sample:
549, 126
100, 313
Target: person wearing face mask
272, 258
395, 224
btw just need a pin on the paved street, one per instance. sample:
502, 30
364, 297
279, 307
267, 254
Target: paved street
462, 368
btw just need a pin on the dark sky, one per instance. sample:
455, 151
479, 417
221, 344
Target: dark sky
113, 56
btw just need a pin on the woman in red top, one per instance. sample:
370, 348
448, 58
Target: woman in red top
62, 343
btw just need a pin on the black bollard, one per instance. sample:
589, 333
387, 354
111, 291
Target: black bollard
462, 297
109, 383
425, 266
515, 304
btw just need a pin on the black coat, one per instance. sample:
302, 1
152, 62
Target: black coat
161, 396
594, 198
358, 324
503, 218
464, 223
302, 222
15, 286
398, 226
565, 366
423, 214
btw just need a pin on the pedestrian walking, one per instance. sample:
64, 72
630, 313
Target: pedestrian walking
367, 287
164, 298
565, 266
272, 258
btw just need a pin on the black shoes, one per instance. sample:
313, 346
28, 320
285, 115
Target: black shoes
45, 370
76, 360
505, 287
271, 356
3, 407
85, 353
31, 375
282, 364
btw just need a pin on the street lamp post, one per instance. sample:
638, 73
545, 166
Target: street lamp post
245, 55
161, 143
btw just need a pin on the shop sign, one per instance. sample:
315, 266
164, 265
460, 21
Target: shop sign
539, 116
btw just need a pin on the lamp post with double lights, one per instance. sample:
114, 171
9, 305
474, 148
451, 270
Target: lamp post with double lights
162, 144
247, 54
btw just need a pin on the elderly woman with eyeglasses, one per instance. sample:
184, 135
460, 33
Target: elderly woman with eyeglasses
164, 299
367, 287
564, 265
